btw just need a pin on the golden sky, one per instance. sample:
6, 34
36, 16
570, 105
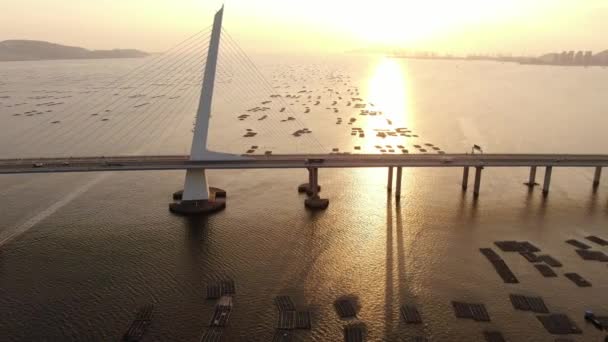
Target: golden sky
317, 26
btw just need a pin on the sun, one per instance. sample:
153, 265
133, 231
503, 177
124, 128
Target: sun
409, 22
396, 23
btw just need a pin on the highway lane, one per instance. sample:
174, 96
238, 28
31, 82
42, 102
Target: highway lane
182, 162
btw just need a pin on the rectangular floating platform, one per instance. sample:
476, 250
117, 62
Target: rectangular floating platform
476, 312
462, 310
213, 335
524, 303
597, 240
287, 320
603, 320
345, 308
577, 244
493, 336
531, 257
410, 314
592, 255
303, 320
490, 254
284, 303
577, 279
559, 324
220, 288
138, 327
549, 260
479, 312
500, 266
537, 305
354, 333
545, 270
214, 291
516, 246
282, 336
505, 272
220, 316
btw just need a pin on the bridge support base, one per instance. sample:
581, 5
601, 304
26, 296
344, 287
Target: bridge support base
215, 203
532, 179
197, 207
197, 198
314, 202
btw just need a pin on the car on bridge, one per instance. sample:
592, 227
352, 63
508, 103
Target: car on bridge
37, 165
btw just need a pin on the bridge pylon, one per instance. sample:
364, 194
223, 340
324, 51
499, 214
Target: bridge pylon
197, 198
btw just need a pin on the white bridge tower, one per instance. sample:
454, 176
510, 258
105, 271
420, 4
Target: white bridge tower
197, 197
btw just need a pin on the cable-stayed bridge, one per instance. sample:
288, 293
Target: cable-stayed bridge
122, 123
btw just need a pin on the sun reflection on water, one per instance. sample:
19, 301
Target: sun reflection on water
387, 93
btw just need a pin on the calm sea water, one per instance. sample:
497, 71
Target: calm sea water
79, 253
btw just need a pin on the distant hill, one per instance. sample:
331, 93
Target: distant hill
32, 50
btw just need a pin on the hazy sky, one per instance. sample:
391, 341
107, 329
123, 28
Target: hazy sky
461, 26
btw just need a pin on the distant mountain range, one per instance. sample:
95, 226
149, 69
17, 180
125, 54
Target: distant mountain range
32, 50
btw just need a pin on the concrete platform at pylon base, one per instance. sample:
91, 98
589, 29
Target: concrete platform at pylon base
213, 192
215, 203
307, 189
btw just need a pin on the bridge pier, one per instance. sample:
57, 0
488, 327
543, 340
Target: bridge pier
532, 179
306, 186
477, 181
398, 186
314, 202
197, 198
547, 182
389, 186
596, 177
465, 178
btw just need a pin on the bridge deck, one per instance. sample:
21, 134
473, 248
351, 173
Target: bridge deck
182, 162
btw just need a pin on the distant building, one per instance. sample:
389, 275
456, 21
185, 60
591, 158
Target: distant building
570, 58
550, 58
578, 58
563, 58
588, 59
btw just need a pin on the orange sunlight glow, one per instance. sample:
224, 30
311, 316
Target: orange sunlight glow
388, 92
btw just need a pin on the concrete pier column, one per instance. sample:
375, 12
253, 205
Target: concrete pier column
389, 186
532, 179
309, 176
547, 182
465, 178
398, 186
314, 184
314, 202
477, 180
596, 177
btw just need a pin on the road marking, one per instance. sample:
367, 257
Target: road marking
27, 225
